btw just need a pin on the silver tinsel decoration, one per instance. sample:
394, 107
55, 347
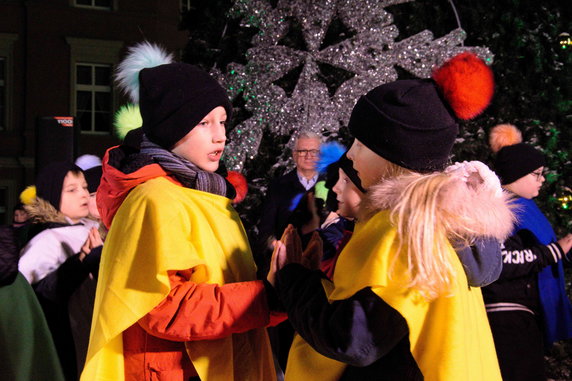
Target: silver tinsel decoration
371, 54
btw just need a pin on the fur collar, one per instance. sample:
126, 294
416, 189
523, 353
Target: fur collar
41, 211
468, 208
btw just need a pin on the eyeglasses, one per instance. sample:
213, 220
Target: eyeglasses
307, 152
538, 174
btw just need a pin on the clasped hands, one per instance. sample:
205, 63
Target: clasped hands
289, 250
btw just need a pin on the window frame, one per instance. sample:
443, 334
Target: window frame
112, 5
7, 41
93, 89
184, 5
97, 52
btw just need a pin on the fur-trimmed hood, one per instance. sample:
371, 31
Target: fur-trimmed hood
41, 212
469, 200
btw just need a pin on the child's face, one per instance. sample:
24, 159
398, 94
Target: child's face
370, 166
204, 144
20, 216
529, 185
74, 197
349, 196
92, 206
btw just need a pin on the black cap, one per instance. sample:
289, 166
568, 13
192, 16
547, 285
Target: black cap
516, 161
173, 98
50, 181
406, 122
348, 167
93, 178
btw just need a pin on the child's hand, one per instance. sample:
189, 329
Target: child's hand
312, 256
289, 250
314, 222
93, 240
291, 240
566, 243
276, 262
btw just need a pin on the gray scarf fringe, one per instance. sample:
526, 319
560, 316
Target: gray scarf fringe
186, 172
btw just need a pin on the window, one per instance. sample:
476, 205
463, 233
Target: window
95, 4
7, 41
93, 97
185, 5
91, 94
2, 93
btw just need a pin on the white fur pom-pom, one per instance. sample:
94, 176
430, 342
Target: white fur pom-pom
141, 56
476, 173
87, 161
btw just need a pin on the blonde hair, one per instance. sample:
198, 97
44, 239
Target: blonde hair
429, 210
424, 233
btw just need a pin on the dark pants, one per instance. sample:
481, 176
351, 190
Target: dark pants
518, 342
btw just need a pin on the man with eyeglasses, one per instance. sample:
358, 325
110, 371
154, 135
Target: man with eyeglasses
276, 213
284, 190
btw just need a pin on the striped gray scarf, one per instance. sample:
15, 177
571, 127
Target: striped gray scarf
186, 172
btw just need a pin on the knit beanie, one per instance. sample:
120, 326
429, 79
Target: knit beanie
50, 181
413, 123
93, 178
347, 166
332, 177
173, 98
514, 159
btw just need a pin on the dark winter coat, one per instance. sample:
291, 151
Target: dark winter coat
277, 207
523, 259
55, 289
9, 255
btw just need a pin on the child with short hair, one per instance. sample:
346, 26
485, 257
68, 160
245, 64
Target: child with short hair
400, 306
52, 261
349, 193
528, 306
177, 295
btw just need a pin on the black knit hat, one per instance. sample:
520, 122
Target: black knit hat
50, 181
93, 178
332, 177
347, 166
407, 123
515, 161
173, 98
413, 123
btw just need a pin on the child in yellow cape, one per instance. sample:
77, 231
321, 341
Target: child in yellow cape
399, 306
177, 296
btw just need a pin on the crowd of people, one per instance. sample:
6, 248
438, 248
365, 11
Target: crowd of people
407, 267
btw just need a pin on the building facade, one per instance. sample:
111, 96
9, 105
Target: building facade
57, 59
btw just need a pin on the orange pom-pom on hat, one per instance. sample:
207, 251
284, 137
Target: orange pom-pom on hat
414, 122
503, 135
467, 84
514, 159
239, 183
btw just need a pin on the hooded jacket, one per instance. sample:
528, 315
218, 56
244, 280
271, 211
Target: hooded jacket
53, 240
177, 295
50, 262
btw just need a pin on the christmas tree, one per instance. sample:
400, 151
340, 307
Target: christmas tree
531, 65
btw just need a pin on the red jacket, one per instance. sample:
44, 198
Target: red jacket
154, 347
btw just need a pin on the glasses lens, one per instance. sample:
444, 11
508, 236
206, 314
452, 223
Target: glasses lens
308, 152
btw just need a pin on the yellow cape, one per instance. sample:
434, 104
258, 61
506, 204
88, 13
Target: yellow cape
159, 227
450, 336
